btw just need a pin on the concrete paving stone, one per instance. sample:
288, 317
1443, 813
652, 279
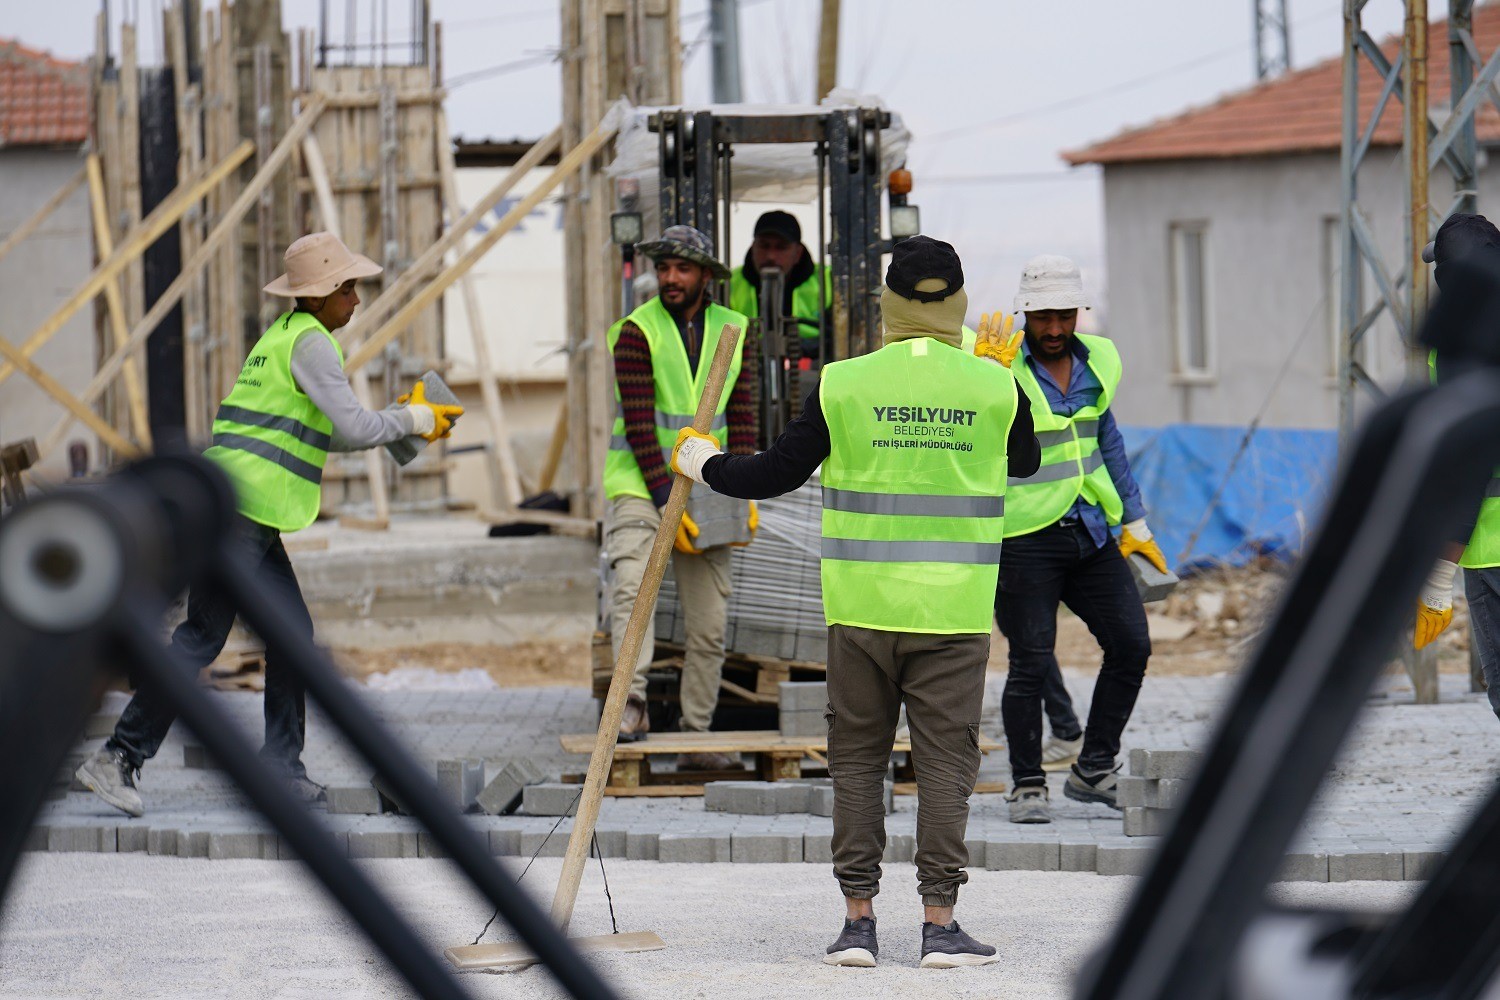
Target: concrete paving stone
756, 848
383, 844
90, 839
1123, 860
223, 846
641, 845
192, 843
1167, 793
361, 800
1077, 857
538, 844
1132, 790
161, 841
36, 839
612, 841
820, 802
505, 843
389, 800
461, 781
1303, 868
1418, 866
1165, 763
811, 723
1032, 857
1373, 866
340, 838
132, 839
503, 794
899, 847
803, 696
685, 847
550, 799
817, 848
792, 796
196, 757
428, 847
1140, 821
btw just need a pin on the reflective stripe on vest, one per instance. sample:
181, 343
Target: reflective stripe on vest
1072, 465
914, 488
677, 387
1483, 548
269, 437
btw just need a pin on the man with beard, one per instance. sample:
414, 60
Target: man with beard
662, 352
778, 243
1058, 545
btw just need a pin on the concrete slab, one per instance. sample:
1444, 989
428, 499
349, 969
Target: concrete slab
700, 848
361, 800
503, 794
1032, 857
550, 799
1367, 866
766, 848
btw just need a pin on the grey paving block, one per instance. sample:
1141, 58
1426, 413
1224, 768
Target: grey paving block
428, 847
757, 848
192, 843
820, 802
223, 846
803, 696
817, 848
1165, 763
389, 800
460, 781
132, 839
361, 800
539, 845
505, 843
697, 848
1077, 857
36, 839
756, 798
550, 799
90, 839
384, 844
197, 757
1367, 866
792, 796
612, 841
1418, 866
1122, 860
1303, 868
161, 841
899, 847
805, 724
340, 839
1167, 793
1138, 762
1034, 857
1140, 821
641, 845
503, 794
1132, 790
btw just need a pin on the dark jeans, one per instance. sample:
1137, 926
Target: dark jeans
144, 723
1482, 588
1061, 563
1059, 705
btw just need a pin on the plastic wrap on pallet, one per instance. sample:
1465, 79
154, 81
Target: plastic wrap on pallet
776, 592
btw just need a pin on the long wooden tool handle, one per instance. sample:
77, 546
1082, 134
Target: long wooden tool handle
630, 648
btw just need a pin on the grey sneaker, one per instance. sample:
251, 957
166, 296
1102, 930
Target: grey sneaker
1029, 804
948, 947
1101, 786
108, 775
855, 947
1061, 751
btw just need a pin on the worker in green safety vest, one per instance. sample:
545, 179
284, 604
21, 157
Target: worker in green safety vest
1058, 544
662, 353
807, 294
1476, 546
290, 406
916, 441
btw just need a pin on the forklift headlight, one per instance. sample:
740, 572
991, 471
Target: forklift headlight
626, 228
906, 220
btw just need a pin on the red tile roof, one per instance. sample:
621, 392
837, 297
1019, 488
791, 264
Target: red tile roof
43, 101
1301, 112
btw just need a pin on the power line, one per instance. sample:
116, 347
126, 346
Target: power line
500, 70
1015, 178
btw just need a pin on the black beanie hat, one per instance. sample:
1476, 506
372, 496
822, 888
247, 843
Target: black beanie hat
778, 223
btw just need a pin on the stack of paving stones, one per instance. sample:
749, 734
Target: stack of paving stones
1157, 780
813, 796
802, 705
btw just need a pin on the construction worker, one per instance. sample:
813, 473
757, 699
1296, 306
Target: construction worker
806, 293
913, 440
1477, 543
1058, 545
662, 352
291, 405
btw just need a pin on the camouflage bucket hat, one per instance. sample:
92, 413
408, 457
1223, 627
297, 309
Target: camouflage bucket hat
687, 243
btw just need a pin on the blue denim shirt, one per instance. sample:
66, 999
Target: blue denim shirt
1083, 390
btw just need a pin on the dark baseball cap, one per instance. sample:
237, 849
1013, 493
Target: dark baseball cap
918, 258
1461, 235
778, 223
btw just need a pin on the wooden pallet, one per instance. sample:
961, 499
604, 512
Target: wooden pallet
747, 679
777, 758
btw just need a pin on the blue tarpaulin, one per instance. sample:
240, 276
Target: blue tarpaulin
1269, 505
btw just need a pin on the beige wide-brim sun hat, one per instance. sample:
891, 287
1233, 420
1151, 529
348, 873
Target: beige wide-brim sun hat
1050, 281
317, 264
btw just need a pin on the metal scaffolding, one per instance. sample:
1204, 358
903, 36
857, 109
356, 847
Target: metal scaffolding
1273, 38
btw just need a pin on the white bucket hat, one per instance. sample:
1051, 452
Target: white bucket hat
317, 264
1049, 281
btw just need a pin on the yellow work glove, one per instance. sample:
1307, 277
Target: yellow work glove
1435, 604
752, 521
442, 415
994, 340
691, 451
1136, 537
687, 531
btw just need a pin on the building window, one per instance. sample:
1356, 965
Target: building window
1333, 297
1190, 299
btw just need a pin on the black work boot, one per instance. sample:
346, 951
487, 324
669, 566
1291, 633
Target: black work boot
1099, 786
855, 947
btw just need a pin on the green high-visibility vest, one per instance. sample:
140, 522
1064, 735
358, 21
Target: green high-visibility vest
914, 488
969, 339
677, 389
1072, 465
745, 298
1483, 550
269, 437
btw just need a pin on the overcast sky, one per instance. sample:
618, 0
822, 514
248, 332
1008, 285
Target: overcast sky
992, 90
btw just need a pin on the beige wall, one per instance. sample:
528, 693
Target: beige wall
530, 411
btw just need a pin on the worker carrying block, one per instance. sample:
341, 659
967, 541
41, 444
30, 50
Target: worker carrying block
915, 442
661, 353
291, 405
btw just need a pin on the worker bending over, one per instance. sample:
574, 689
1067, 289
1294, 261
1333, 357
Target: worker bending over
913, 440
806, 293
662, 353
291, 405
1477, 544
1058, 545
